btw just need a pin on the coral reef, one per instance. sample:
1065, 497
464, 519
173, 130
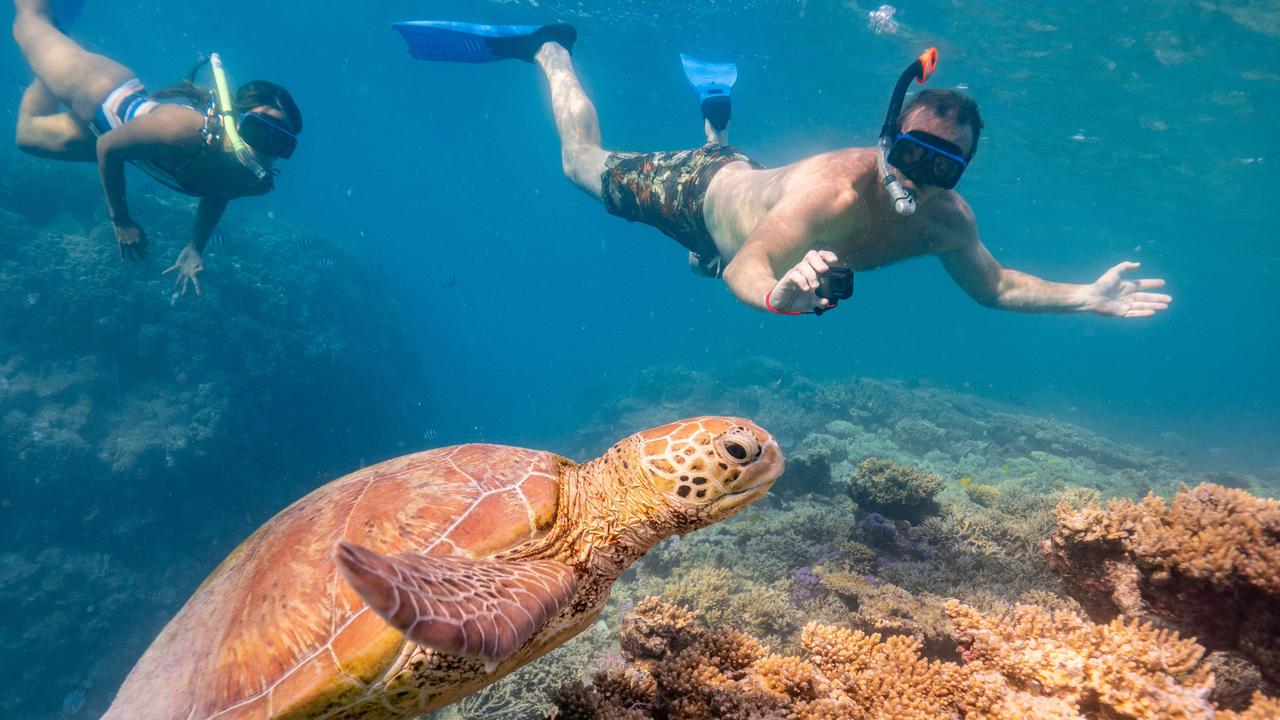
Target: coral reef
1126, 668
840, 423
1021, 662
655, 630
1206, 564
725, 598
898, 492
527, 693
143, 435
881, 607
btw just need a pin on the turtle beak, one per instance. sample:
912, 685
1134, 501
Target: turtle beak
754, 482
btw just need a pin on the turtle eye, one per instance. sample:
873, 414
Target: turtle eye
738, 446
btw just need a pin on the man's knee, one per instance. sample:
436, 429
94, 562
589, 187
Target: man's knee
583, 165
26, 140
53, 137
582, 176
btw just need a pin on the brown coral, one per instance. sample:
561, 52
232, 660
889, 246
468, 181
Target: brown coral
1207, 564
655, 630
722, 597
1262, 708
882, 607
1128, 668
1022, 662
895, 491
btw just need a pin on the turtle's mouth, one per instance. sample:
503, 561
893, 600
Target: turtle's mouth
731, 502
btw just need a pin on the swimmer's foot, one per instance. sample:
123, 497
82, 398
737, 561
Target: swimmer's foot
443, 40
524, 47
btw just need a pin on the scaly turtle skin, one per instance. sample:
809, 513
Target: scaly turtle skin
410, 584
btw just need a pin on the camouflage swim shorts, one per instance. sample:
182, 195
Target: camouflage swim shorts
667, 190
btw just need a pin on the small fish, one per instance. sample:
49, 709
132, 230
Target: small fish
326, 263
217, 240
307, 242
450, 282
430, 434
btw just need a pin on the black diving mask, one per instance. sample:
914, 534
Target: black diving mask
928, 159
267, 135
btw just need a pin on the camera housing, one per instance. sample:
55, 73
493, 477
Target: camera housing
836, 284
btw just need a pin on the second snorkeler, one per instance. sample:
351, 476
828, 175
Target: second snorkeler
207, 144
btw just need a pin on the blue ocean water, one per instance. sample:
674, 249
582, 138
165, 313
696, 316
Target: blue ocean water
1114, 131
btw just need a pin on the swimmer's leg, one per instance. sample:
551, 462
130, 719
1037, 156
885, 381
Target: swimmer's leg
576, 121
46, 131
81, 80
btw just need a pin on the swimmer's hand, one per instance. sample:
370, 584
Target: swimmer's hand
1114, 296
188, 265
797, 291
132, 240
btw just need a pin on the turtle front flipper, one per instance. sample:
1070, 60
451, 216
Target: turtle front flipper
483, 609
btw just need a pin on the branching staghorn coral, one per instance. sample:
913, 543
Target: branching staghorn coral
1206, 564
1021, 662
881, 607
1128, 668
724, 598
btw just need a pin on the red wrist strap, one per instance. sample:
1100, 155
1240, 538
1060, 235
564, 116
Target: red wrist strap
772, 309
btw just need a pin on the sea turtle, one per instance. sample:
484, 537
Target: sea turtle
412, 583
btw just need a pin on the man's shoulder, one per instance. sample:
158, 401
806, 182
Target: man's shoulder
951, 221
952, 209
848, 163
833, 175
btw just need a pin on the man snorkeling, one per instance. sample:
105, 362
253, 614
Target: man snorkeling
204, 144
776, 235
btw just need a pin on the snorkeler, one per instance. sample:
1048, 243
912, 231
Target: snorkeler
201, 143
776, 235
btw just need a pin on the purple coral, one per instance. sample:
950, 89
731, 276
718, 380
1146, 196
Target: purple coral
806, 587
878, 528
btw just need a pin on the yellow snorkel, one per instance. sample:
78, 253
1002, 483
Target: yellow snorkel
226, 110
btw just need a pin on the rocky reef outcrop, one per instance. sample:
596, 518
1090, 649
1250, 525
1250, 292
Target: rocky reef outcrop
144, 434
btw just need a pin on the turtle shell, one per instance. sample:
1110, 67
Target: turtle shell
275, 632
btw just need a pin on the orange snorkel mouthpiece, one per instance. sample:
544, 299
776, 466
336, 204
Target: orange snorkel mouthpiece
928, 62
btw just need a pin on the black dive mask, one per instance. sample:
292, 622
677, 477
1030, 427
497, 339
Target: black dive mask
267, 135
928, 159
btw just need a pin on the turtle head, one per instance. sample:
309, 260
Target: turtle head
706, 469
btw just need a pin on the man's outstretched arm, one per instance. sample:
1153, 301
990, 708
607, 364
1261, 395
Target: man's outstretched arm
983, 278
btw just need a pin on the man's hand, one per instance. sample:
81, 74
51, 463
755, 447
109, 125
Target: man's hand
132, 240
189, 264
796, 292
1114, 296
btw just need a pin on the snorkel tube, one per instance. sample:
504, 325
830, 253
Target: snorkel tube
904, 203
226, 110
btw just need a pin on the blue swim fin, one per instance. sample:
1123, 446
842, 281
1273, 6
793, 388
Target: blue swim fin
473, 43
712, 82
65, 13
